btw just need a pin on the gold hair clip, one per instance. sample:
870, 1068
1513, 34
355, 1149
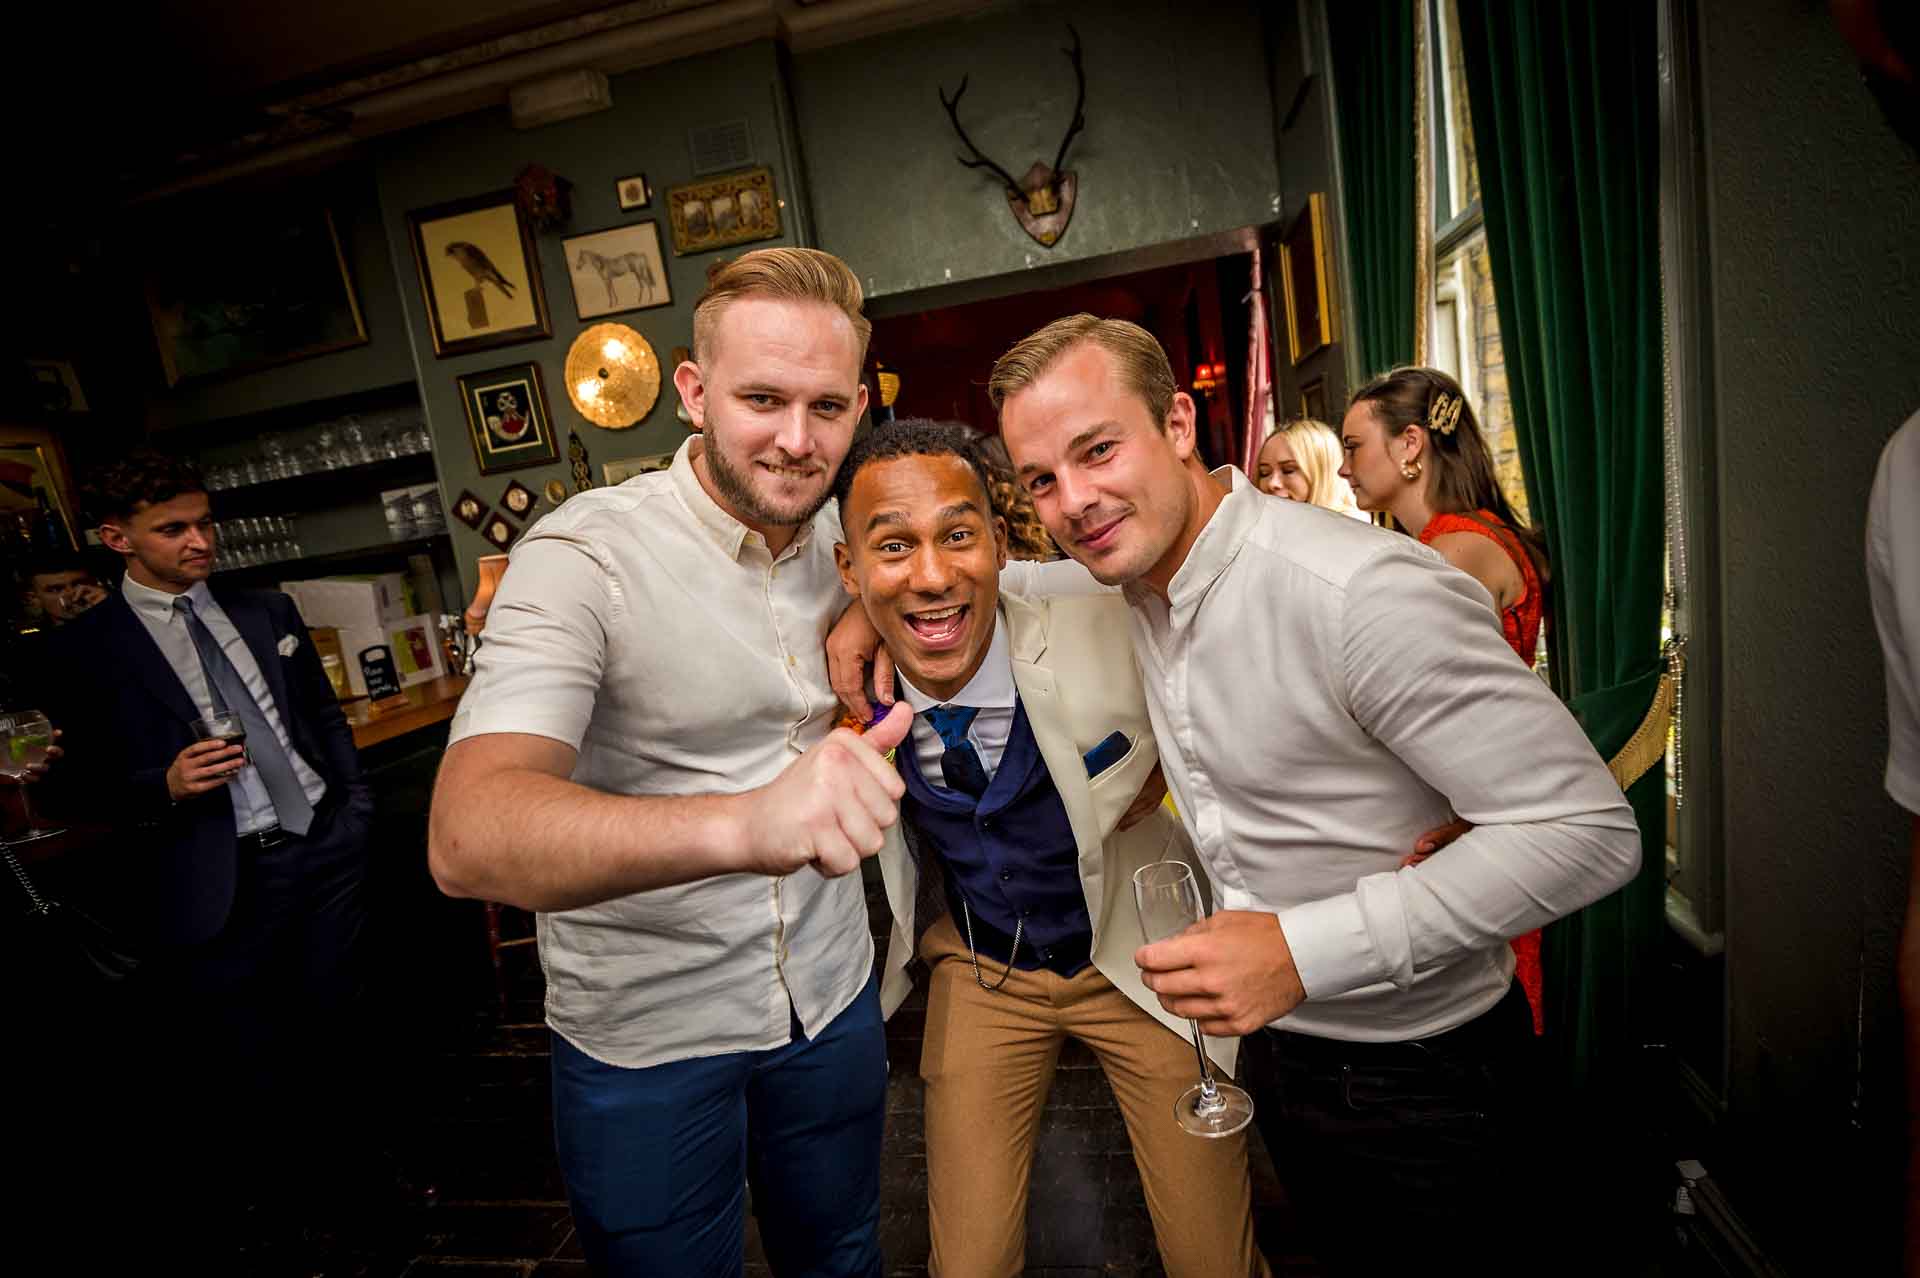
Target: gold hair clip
1445, 415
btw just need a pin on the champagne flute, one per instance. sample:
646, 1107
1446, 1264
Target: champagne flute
25, 736
1168, 898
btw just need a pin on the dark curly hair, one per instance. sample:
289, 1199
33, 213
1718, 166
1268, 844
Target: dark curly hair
911, 437
141, 478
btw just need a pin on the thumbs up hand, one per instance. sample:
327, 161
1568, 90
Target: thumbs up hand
832, 807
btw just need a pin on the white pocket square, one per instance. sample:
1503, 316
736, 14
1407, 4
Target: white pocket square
288, 645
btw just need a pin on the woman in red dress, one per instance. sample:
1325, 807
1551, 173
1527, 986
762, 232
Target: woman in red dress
1414, 450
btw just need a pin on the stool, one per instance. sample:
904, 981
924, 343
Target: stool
495, 944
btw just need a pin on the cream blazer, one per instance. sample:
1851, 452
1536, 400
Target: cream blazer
1074, 668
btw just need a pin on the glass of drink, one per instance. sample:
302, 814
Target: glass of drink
1168, 898
229, 728
25, 736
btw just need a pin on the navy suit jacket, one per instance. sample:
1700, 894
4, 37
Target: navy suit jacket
125, 716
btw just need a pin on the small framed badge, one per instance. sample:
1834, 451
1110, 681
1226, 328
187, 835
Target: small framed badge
499, 531
518, 500
634, 192
469, 510
507, 418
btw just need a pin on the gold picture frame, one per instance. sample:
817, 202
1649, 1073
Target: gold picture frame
32, 462
619, 472
479, 272
1306, 289
724, 211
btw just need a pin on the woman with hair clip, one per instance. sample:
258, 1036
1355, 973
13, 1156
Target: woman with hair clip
1301, 462
1414, 450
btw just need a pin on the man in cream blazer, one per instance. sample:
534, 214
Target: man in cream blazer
1031, 745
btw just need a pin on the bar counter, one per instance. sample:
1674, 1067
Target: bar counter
427, 704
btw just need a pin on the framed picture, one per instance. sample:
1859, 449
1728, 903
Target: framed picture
619, 472
1306, 290
33, 466
479, 273
1313, 400
518, 500
498, 531
729, 210
216, 309
633, 192
616, 270
508, 418
469, 510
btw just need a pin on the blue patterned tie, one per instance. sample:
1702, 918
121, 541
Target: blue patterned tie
229, 694
960, 766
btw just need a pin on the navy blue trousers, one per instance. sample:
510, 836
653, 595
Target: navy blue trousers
658, 1161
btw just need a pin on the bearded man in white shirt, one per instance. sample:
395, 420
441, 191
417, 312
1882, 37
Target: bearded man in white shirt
1322, 691
647, 758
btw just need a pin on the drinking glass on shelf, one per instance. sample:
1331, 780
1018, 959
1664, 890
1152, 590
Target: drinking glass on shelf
1168, 899
354, 443
25, 736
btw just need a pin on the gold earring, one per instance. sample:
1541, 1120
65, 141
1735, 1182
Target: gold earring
1411, 469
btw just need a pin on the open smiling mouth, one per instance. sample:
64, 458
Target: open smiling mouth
793, 474
940, 627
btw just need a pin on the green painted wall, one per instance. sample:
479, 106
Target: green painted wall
1815, 273
1178, 142
645, 131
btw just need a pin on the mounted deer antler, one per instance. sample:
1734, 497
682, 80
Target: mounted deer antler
1043, 199
980, 161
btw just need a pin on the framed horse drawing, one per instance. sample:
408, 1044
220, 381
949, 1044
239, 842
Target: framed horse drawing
618, 269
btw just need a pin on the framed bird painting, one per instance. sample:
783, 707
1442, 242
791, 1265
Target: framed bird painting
480, 274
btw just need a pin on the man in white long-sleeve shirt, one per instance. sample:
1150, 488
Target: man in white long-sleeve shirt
1322, 692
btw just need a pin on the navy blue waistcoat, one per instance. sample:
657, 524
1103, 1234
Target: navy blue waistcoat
1010, 854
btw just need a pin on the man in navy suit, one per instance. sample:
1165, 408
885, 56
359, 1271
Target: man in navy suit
241, 870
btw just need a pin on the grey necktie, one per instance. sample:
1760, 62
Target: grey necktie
229, 694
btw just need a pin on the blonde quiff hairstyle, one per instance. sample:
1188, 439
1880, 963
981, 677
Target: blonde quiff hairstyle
1136, 353
793, 274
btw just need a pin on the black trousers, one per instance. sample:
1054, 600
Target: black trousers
253, 1093
1406, 1157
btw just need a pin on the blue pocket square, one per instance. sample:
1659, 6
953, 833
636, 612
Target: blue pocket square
1107, 753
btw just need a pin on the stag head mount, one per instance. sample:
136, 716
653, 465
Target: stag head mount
1041, 201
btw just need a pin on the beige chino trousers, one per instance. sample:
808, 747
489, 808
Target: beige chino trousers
988, 1060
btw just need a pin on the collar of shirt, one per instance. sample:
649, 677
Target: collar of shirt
1212, 551
991, 687
158, 604
727, 532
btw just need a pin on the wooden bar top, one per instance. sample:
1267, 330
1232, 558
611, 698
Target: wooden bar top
427, 703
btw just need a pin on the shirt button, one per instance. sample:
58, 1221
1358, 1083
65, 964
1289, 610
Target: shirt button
1006, 875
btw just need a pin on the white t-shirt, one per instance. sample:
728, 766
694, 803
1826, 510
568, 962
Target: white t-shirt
1893, 572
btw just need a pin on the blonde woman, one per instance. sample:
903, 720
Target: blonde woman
1301, 462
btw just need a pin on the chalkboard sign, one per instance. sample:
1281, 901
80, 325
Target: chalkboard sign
383, 681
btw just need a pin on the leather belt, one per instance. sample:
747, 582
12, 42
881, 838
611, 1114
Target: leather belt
261, 840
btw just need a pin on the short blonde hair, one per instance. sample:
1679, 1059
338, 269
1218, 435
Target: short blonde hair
1142, 364
797, 274
1316, 447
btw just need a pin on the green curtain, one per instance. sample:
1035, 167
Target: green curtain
1373, 86
1563, 95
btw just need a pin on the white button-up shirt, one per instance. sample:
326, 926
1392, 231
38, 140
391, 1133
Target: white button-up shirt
990, 691
655, 634
252, 806
1893, 572
1323, 691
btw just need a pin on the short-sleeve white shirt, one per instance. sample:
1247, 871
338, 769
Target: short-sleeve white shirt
654, 633
1893, 573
